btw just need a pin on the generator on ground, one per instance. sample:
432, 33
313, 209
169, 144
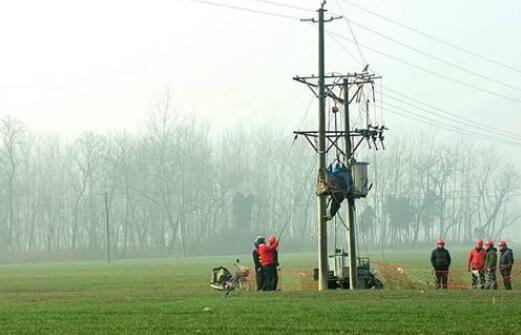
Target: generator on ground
339, 272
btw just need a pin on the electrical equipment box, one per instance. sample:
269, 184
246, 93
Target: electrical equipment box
338, 264
360, 179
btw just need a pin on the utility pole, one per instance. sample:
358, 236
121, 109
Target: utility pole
351, 240
321, 210
324, 86
105, 195
367, 112
323, 269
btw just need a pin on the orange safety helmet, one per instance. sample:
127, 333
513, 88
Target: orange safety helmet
490, 243
440, 241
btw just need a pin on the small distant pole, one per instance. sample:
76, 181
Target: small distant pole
105, 195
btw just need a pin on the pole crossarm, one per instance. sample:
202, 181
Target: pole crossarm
374, 134
333, 81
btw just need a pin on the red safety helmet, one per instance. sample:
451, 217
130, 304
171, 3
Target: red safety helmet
441, 241
502, 243
490, 243
479, 242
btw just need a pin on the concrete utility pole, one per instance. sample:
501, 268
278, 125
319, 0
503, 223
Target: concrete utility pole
351, 240
321, 199
105, 195
323, 269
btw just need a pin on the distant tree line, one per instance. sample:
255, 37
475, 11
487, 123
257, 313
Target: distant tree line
175, 190
425, 190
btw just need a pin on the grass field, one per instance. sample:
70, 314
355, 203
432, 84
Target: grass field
171, 296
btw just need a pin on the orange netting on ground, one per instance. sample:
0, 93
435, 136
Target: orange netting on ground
394, 277
288, 281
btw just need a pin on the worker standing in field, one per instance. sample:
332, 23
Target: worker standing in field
506, 261
266, 253
491, 266
440, 260
276, 264
259, 274
476, 264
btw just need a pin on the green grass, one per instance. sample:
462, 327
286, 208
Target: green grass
171, 296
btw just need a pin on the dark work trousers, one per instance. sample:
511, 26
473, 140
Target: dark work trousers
275, 277
442, 278
259, 278
478, 276
336, 201
490, 280
268, 277
506, 273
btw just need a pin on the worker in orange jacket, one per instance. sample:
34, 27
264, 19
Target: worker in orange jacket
476, 264
275, 263
259, 275
266, 253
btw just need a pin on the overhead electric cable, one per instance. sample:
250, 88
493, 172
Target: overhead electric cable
439, 124
299, 194
468, 122
360, 52
244, 9
441, 60
432, 37
482, 126
279, 4
434, 73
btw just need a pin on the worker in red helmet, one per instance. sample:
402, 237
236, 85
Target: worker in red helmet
266, 253
506, 261
257, 260
490, 266
275, 265
476, 264
440, 260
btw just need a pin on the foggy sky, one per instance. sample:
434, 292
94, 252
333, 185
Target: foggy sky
67, 66
72, 66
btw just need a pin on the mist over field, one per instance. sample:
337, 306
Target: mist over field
260, 167
123, 127
173, 190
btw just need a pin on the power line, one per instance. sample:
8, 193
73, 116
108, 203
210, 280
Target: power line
287, 155
439, 124
299, 194
362, 56
450, 195
497, 131
275, 3
441, 60
432, 37
344, 48
244, 9
477, 125
434, 73
448, 127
